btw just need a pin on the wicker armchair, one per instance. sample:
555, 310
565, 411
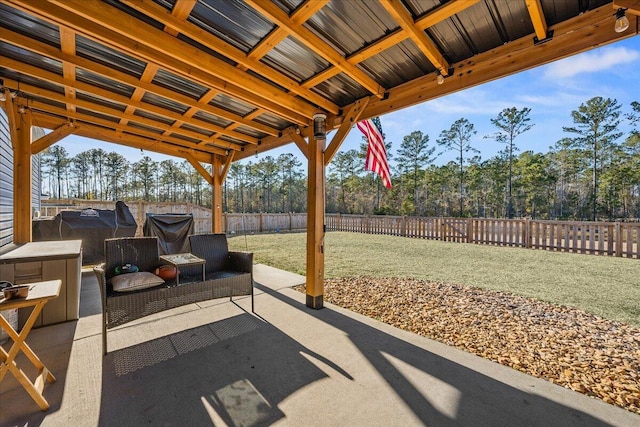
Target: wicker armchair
226, 276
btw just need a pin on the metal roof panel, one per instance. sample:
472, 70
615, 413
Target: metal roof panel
179, 84
103, 82
232, 21
295, 60
163, 102
350, 25
14, 52
23, 23
106, 55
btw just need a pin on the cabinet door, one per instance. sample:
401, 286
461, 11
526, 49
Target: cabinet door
55, 311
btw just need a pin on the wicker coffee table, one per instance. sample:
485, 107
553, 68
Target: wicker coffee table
183, 260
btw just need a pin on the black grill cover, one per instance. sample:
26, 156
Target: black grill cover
172, 231
91, 226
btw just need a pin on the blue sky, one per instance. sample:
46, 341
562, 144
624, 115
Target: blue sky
551, 91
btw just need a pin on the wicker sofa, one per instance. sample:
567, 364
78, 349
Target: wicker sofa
228, 274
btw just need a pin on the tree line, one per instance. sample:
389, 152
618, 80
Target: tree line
592, 173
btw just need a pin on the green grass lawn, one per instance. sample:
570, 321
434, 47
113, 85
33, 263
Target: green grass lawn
606, 286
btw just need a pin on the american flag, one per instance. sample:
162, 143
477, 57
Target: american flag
376, 160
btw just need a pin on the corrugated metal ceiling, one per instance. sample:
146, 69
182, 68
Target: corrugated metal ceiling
324, 56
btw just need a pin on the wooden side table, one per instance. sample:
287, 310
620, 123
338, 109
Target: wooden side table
183, 260
39, 294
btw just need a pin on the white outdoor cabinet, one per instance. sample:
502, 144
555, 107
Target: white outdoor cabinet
41, 261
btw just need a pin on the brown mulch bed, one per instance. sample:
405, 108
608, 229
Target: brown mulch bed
564, 345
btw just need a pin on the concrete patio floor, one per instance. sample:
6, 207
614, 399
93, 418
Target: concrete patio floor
215, 363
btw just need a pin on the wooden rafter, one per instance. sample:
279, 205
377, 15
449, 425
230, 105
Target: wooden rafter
402, 16
570, 37
537, 17
439, 14
130, 140
160, 14
54, 96
316, 44
124, 100
118, 22
305, 11
44, 49
181, 10
117, 128
68, 47
87, 18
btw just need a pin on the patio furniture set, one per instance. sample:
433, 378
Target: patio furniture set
130, 290
209, 271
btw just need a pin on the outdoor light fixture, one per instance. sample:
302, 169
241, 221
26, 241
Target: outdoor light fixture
622, 22
440, 77
320, 126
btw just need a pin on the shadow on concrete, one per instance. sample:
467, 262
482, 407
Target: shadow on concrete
482, 400
234, 371
52, 344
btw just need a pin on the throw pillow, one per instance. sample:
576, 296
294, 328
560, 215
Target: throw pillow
135, 281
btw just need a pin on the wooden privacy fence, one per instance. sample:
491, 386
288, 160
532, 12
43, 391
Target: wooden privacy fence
598, 238
232, 223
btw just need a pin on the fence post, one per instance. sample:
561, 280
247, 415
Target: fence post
140, 218
527, 233
619, 239
469, 230
403, 226
260, 222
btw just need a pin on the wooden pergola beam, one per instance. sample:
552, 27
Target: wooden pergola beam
49, 51
402, 16
305, 11
124, 100
121, 23
54, 96
116, 128
299, 140
129, 140
85, 17
181, 10
437, 15
160, 14
227, 165
316, 44
51, 138
68, 47
570, 37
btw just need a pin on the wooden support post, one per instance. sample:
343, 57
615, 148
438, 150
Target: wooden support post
216, 195
21, 142
315, 223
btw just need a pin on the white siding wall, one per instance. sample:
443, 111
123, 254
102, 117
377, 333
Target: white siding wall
6, 182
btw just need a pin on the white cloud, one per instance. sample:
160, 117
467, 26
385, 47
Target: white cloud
590, 62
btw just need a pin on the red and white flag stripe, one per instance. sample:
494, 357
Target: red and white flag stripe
376, 160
